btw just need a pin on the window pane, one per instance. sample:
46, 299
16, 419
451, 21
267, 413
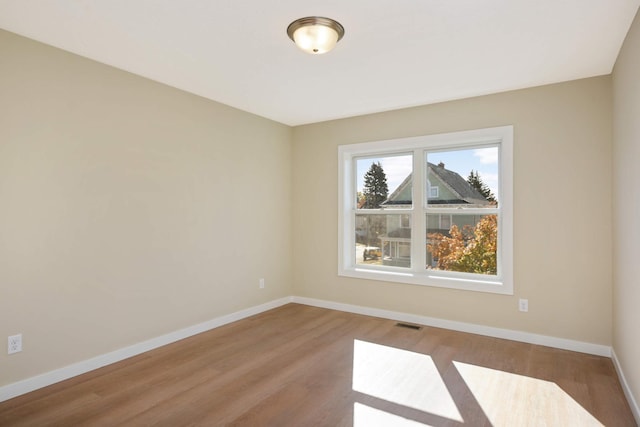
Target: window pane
469, 245
463, 178
384, 182
383, 240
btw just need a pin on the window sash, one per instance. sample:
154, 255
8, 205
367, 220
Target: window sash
419, 147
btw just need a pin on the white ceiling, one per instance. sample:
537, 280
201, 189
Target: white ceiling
395, 53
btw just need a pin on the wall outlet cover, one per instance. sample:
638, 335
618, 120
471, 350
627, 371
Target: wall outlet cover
14, 344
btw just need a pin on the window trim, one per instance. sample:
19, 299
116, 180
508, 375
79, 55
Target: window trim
347, 267
434, 194
449, 221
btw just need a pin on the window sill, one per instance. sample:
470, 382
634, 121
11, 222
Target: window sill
496, 286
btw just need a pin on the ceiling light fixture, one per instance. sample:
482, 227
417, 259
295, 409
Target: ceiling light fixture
315, 34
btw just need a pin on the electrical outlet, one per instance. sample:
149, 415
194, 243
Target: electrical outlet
523, 305
14, 344
261, 283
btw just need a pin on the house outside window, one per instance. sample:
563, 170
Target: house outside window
433, 192
405, 221
459, 236
445, 222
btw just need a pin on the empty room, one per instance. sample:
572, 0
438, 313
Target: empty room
294, 213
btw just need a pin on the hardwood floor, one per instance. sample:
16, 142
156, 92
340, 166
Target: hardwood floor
306, 366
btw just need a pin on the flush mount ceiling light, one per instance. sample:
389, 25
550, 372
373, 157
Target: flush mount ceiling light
315, 34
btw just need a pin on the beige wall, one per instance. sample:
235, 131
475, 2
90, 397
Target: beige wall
131, 209
128, 209
626, 208
562, 206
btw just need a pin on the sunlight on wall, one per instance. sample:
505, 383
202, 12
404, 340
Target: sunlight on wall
515, 400
402, 377
365, 416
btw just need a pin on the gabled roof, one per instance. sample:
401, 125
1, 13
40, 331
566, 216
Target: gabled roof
398, 197
464, 193
458, 185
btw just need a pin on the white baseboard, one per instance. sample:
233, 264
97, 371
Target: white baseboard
565, 344
30, 384
625, 387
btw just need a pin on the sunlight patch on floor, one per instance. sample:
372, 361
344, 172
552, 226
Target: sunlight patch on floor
514, 400
402, 377
366, 416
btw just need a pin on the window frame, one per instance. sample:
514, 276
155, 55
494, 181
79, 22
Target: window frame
418, 274
433, 194
449, 220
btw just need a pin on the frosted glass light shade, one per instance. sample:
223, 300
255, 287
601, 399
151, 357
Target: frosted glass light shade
315, 34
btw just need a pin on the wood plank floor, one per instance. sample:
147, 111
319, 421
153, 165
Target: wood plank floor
306, 366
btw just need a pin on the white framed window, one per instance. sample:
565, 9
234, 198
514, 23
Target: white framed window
462, 238
445, 222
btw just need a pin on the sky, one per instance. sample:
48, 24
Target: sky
483, 160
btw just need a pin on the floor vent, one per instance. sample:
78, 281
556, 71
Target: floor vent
408, 326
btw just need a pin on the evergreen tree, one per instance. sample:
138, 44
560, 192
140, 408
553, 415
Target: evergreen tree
476, 182
375, 186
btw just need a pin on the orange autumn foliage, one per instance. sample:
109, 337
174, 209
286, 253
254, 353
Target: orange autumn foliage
470, 250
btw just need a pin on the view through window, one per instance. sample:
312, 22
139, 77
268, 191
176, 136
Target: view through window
429, 208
